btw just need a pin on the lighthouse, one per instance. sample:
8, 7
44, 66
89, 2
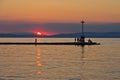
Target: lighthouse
82, 39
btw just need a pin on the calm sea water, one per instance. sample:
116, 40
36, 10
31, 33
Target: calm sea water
60, 62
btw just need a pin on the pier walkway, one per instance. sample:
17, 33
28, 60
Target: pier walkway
48, 43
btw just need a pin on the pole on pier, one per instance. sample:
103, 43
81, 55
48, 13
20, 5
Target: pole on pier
82, 36
82, 27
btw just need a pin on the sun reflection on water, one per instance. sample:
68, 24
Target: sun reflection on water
38, 62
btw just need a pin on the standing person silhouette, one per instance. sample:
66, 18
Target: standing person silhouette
78, 40
35, 40
75, 39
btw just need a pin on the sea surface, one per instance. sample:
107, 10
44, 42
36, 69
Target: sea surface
60, 62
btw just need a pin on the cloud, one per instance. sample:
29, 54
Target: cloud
19, 26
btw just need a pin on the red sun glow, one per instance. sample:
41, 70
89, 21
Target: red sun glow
39, 33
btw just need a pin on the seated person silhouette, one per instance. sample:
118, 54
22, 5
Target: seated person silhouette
90, 41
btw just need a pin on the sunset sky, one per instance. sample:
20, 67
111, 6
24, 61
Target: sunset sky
57, 12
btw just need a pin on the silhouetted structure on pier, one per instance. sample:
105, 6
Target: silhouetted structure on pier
82, 39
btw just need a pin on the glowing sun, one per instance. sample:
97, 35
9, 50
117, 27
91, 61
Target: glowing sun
39, 33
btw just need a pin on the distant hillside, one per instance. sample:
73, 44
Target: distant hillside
19, 35
71, 35
92, 35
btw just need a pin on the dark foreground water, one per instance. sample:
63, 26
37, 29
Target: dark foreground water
60, 62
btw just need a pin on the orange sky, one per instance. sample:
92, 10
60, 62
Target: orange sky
60, 10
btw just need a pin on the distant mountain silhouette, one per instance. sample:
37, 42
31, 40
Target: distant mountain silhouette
91, 35
70, 35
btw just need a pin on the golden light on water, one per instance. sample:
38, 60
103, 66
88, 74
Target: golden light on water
38, 62
39, 72
38, 56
